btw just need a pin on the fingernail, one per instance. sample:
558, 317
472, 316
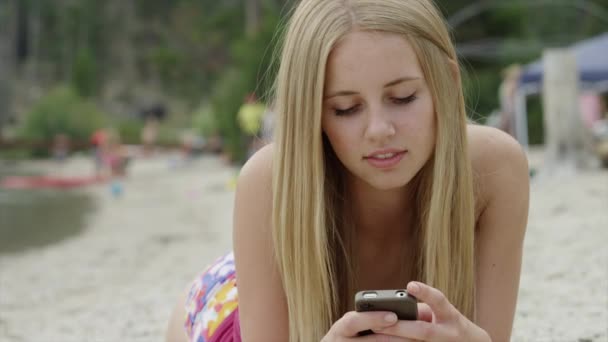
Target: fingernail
390, 318
414, 287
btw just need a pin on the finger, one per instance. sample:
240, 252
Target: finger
414, 330
424, 312
384, 338
353, 322
437, 301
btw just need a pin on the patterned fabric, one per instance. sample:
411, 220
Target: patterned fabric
212, 304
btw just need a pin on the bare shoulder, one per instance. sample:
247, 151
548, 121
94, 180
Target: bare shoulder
253, 203
492, 149
253, 199
501, 175
259, 166
259, 285
498, 162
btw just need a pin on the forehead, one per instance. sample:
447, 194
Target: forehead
371, 57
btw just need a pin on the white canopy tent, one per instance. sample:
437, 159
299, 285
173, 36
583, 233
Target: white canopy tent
592, 62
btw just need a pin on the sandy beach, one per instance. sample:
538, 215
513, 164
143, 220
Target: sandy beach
118, 280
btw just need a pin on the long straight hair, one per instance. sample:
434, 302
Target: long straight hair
311, 237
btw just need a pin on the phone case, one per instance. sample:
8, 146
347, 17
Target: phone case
404, 305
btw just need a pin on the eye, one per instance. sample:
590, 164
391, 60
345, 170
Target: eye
348, 111
404, 100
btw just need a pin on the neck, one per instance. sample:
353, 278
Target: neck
380, 215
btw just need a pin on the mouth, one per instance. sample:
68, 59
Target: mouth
384, 154
385, 159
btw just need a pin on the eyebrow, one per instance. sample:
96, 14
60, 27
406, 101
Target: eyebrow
389, 84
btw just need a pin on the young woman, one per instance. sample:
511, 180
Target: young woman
374, 181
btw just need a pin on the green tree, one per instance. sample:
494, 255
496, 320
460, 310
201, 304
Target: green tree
62, 111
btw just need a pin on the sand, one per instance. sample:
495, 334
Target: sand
119, 279
564, 284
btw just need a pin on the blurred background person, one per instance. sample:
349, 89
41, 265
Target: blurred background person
99, 140
149, 135
79, 68
250, 118
61, 147
506, 95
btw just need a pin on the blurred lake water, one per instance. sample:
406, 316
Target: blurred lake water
35, 218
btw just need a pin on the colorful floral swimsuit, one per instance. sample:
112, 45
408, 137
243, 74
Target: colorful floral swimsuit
212, 304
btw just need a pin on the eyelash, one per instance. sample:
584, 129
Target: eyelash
396, 100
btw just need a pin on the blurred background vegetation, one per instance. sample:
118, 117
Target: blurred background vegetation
70, 66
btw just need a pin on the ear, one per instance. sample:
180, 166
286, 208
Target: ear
455, 70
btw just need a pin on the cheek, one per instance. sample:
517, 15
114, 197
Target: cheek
337, 140
341, 136
337, 132
419, 125
330, 131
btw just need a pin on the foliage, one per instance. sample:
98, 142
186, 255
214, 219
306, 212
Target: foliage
169, 135
204, 121
251, 73
15, 154
197, 51
129, 130
226, 99
62, 111
481, 93
85, 73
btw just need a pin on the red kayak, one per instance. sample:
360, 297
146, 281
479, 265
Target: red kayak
36, 182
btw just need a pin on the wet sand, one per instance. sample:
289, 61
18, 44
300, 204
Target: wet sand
119, 278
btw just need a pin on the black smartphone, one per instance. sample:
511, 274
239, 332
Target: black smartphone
404, 305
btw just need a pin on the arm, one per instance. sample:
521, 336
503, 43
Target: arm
175, 331
262, 305
502, 170
502, 176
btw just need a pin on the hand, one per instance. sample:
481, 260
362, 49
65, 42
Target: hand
348, 327
438, 320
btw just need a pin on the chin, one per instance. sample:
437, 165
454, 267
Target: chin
388, 183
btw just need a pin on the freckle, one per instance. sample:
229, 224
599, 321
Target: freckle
493, 265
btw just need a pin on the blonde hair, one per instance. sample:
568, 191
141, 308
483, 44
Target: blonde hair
310, 238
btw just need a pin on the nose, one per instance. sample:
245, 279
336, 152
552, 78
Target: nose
379, 128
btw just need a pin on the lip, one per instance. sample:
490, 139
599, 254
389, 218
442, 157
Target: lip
385, 163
